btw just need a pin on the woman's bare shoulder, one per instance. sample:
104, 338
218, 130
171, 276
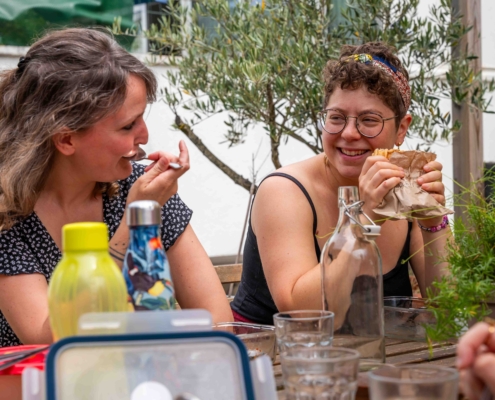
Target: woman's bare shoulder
278, 197
304, 172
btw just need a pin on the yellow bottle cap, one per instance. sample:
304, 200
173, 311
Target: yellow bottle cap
82, 236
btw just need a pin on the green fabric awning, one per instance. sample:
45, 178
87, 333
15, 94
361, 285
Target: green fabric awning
22, 20
57, 10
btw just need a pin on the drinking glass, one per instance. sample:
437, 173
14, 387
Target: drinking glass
318, 373
413, 382
305, 328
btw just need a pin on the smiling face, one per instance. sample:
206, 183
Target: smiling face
348, 150
103, 150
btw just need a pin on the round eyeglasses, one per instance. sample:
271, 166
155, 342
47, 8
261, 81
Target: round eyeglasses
368, 124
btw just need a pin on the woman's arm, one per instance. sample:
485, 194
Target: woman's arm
428, 248
24, 303
195, 280
282, 221
196, 283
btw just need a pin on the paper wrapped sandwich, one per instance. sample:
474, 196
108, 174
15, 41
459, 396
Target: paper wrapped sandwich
407, 200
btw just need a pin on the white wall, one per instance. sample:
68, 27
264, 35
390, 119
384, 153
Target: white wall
219, 205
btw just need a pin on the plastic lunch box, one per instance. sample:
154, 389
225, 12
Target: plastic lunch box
185, 362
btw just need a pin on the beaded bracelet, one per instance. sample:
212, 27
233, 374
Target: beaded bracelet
432, 229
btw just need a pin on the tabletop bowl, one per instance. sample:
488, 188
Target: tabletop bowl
406, 318
258, 339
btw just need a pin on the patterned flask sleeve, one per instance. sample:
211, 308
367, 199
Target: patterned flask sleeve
147, 271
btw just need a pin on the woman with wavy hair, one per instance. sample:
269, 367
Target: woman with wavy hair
366, 100
71, 119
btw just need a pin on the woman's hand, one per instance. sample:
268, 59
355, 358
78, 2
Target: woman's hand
431, 181
377, 178
159, 183
476, 360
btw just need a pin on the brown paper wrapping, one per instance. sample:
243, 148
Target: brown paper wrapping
407, 200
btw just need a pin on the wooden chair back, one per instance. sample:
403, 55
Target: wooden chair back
229, 273
230, 276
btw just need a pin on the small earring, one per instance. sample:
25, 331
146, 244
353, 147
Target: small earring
398, 145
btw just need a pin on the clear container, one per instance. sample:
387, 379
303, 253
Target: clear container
85, 280
140, 367
258, 339
303, 328
320, 373
414, 382
352, 284
406, 318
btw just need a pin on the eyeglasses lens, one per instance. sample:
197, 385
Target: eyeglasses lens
369, 125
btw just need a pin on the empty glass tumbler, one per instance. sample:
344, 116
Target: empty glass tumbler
413, 382
319, 373
303, 328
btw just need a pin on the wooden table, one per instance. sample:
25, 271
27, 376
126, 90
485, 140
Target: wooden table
397, 353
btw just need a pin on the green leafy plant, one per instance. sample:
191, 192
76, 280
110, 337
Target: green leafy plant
465, 293
260, 63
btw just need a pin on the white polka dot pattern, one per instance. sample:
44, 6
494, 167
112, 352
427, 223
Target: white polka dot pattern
28, 248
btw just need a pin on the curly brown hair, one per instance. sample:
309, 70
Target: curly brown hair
354, 75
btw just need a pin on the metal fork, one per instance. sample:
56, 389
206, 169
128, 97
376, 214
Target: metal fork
141, 155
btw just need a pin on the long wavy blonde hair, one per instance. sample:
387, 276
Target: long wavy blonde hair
70, 78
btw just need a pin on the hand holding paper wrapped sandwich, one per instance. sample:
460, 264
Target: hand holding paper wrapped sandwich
407, 185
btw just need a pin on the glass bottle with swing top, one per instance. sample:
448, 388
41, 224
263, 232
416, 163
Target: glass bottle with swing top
352, 284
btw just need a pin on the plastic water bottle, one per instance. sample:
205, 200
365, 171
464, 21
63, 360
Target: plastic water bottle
146, 268
352, 283
85, 280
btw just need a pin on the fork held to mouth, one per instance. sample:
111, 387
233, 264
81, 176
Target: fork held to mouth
141, 155
171, 165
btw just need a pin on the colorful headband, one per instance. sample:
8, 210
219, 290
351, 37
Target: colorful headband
398, 77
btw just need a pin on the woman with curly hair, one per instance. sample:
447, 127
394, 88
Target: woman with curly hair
366, 99
71, 119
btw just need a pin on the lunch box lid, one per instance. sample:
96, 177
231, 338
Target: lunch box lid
160, 366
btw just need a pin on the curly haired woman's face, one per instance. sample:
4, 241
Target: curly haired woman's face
348, 150
103, 148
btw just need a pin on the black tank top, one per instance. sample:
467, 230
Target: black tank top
253, 299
